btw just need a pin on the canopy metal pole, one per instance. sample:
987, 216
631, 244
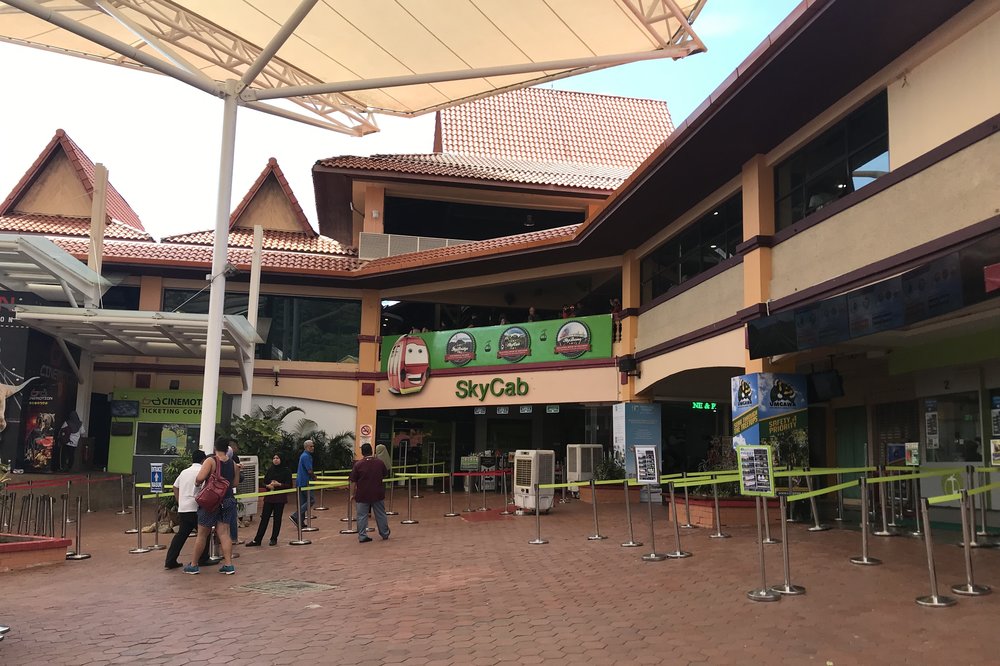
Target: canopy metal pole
216, 301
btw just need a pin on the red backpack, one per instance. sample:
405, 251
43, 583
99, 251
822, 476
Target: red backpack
216, 487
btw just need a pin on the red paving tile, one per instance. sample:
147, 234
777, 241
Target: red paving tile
447, 591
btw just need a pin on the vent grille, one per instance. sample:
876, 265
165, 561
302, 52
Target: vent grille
376, 246
522, 472
546, 468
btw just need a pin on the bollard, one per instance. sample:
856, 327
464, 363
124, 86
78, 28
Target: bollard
506, 505
652, 556
409, 505
718, 534
918, 532
677, 552
687, 508
817, 526
348, 529
538, 540
89, 510
299, 541
762, 594
596, 536
631, 543
69, 491
468, 494
885, 531
79, 554
984, 530
969, 587
138, 521
768, 541
864, 560
482, 486
65, 507
156, 527
787, 587
321, 502
124, 511
933, 600
392, 493
451, 497
840, 500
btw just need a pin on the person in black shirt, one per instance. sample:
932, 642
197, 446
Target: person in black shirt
278, 477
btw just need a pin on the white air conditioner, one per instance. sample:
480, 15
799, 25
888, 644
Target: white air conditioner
248, 484
530, 468
582, 460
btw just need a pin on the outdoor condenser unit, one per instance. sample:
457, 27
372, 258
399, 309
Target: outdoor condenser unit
582, 460
248, 484
530, 468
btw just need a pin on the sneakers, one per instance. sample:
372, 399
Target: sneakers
251, 544
364, 538
385, 537
227, 569
191, 569
272, 542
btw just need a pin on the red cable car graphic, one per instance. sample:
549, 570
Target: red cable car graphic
408, 365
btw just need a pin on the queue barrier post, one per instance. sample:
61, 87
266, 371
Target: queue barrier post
4, 509
413, 486
139, 548
24, 516
677, 553
299, 541
69, 491
687, 508
917, 508
39, 515
652, 556
564, 479
631, 543
863, 559
892, 502
321, 506
969, 587
451, 497
933, 600
409, 504
468, 494
52, 511
443, 491
482, 487
306, 516
790, 517
349, 529
506, 505
762, 593
538, 540
156, 527
596, 536
78, 554
973, 533
89, 510
392, 493
885, 531
840, 500
718, 534
816, 526
786, 588
124, 510
65, 507
768, 541
984, 529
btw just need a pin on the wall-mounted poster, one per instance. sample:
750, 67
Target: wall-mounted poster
995, 415
995, 452
912, 454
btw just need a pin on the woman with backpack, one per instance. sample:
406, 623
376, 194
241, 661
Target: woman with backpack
216, 505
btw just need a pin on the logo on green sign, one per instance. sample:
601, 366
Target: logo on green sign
497, 387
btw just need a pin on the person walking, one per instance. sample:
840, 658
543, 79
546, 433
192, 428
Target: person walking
185, 490
303, 476
277, 478
382, 454
68, 440
369, 493
222, 515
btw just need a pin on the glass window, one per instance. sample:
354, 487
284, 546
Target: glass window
702, 245
294, 328
166, 439
951, 428
846, 157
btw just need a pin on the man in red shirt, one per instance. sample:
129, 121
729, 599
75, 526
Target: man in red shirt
369, 493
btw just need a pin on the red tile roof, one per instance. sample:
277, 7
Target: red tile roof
117, 207
288, 241
272, 169
564, 174
555, 126
55, 225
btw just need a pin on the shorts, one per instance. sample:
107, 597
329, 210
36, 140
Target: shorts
226, 513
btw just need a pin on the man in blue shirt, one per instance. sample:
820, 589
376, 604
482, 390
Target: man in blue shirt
302, 478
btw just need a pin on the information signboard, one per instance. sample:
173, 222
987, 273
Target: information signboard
647, 467
756, 470
156, 477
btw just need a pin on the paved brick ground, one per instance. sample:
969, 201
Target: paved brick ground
447, 591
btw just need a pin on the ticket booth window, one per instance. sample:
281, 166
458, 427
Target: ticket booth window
951, 428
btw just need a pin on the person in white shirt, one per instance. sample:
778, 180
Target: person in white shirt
185, 490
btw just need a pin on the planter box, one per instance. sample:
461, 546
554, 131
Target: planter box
733, 512
19, 551
610, 494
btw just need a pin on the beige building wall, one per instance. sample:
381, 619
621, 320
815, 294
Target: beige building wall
726, 350
953, 90
949, 196
707, 303
270, 209
58, 191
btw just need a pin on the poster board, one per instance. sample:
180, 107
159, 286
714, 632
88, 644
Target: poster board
647, 466
756, 467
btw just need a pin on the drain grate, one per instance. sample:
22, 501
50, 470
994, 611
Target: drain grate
285, 588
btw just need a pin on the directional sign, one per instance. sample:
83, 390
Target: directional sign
156, 477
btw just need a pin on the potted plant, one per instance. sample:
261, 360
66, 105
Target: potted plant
607, 470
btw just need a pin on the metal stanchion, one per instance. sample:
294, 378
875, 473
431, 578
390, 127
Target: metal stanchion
299, 541
468, 494
984, 529
451, 497
840, 500
138, 532
652, 556
69, 491
864, 560
596, 536
135, 503
89, 510
969, 587
24, 516
687, 507
565, 479
506, 505
790, 517
892, 502
156, 528
934, 600
214, 547
482, 486
817, 526
321, 502
348, 529
786, 587
39, 517
768, 541
124, 510
409, 505
971, 539
538, 540
677, 553
917, 506
306, 517
413, 487
631, 543
762, 594
65, 507
78, 554
392, 493
51, 512
718, 534
885, 531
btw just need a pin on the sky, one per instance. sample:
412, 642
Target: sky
160, 138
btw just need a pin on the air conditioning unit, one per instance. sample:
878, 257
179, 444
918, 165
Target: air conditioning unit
582, 460
530, 468
247, 506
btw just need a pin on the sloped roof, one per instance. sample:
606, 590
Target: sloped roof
475, 167
272, 170
56, 225
117, 208
287, 241
555, 126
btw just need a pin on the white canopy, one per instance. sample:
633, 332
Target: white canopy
37, 265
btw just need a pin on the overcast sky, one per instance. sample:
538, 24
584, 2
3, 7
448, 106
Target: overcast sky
160, 138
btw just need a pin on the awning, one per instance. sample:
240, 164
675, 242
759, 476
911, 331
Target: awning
344, 60
36, 264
